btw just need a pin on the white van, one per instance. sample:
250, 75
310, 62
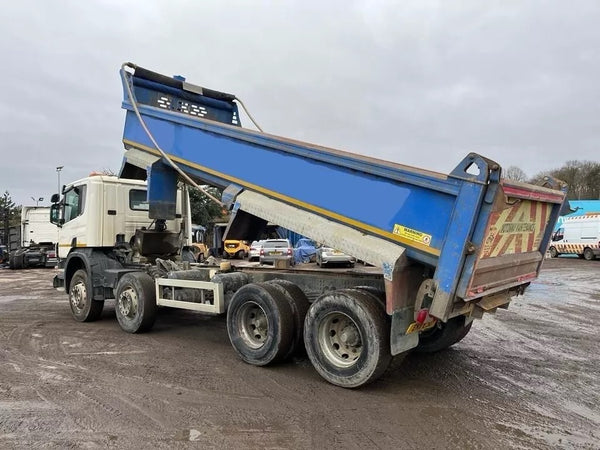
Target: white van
579, 235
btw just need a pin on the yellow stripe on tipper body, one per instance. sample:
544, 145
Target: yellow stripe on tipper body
290, 200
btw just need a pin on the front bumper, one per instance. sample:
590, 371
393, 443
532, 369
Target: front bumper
340, 259
272, 259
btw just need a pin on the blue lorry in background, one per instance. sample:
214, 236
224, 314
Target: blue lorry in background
442, 249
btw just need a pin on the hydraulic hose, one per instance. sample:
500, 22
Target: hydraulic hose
151, 137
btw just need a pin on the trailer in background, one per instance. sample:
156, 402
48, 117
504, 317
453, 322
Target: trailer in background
33, 244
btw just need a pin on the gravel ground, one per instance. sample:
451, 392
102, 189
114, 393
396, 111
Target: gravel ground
526, 377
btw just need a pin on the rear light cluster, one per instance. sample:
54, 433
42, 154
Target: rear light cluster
289, 252
262, 252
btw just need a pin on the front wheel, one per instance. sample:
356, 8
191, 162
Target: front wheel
588, 254
443, 335
135, 306
347, 338
553, 252
83, 307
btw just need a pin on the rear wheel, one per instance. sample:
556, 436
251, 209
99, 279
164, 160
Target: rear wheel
83, 308
374, 292
347, 338
241, 254
588, 254
443, 335
135, 306
299, 305
553, 252
260, 324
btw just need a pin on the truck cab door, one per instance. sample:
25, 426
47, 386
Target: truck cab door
72, 233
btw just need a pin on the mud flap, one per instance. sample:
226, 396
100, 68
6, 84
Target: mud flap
401, 342
58, 281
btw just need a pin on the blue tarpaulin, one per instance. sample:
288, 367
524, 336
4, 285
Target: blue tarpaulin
304, 250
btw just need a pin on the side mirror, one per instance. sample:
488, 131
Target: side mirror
55, 198
55, 214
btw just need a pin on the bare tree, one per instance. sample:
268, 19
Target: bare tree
515, 173
582, 178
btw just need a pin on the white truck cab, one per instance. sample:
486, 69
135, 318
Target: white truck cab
101, 210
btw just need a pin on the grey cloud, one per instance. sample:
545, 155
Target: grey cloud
416, 82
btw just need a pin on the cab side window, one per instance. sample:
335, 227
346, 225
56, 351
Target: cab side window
74, 203
558, 235
138, 200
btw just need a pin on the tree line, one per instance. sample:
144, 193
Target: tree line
582, 178
10, 216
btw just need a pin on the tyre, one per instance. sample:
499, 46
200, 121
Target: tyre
188, 255
135, 302
588, 254
443, 335
83, 308
553, 252
260, 324
200, 257
374, 292
347, 338
16, 262
241, 254
299, 305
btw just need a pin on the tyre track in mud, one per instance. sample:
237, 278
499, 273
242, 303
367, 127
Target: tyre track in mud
526, 377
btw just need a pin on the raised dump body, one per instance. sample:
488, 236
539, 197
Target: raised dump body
480, 234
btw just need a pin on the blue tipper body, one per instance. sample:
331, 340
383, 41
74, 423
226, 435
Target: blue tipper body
440, 220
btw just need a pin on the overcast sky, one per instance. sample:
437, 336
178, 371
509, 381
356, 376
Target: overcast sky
416, 82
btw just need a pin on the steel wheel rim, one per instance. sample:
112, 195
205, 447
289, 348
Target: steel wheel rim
128, 303
340, 339
78, 296
253, 325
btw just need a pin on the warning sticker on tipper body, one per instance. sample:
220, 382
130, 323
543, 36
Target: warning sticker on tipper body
413, 235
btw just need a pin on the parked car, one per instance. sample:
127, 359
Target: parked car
274, 249
328, 255
254, 252
305, 251
235, 249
